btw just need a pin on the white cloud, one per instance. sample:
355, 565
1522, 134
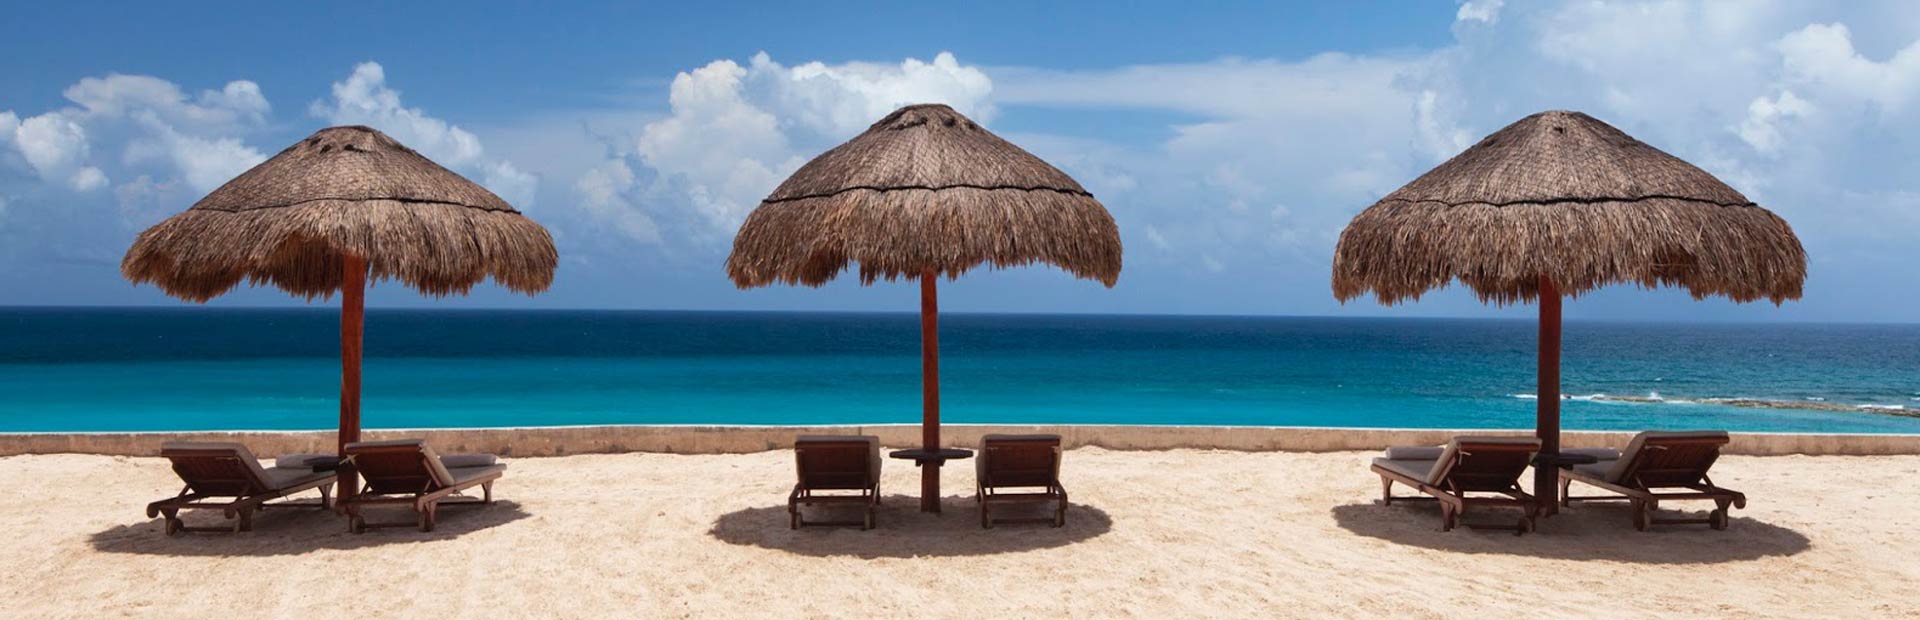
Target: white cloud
1762, 127
602, 191
1158, 239
364, 98
151, 123
1824, 55
1479, 11
58, 151
735, 131
239, 104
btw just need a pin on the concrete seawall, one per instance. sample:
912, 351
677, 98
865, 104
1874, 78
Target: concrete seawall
556, 441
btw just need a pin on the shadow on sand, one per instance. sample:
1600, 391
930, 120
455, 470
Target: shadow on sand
1583, 532
902, 531
294, 531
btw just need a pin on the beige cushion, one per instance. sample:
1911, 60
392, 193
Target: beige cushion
1415, 453
463, 474
303, 461
1597, 470
457, 461
1415, 469
283, 477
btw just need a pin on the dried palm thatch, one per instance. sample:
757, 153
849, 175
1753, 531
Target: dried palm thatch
1567, 196
291, 220
924, 189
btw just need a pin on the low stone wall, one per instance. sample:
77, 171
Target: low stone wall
557, 441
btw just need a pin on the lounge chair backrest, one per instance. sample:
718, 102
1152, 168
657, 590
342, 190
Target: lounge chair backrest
216, 468
1019, 460
398, 466
1667, 458
837, 462
1482, 463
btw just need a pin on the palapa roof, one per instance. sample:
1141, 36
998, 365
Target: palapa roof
1565, 195
343, 191
924, 189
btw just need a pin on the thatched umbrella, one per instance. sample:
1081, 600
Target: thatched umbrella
1559, 204
345, 204
924, 193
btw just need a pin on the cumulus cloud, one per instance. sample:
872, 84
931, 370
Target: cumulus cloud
364, 98
58, 151
1824, 55
1762, 127
237, 105
603, 194
1479, 11
734, 131
1332, 130
148, 123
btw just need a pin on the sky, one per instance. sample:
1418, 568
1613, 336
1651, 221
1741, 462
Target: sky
1231, 141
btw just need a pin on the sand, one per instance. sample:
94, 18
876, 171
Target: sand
1151, 535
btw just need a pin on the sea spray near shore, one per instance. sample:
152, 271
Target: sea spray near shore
1810, 403
199, 368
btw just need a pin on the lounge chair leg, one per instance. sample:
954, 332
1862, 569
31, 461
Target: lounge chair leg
1566, 499
324, 503
986, 517
1386, 491
1060, 514
486, 489
246, 521
1448, 517
1718, 520
173, 523
427, 516
1642, 515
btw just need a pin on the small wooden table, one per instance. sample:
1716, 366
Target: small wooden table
1565, 460
937, 458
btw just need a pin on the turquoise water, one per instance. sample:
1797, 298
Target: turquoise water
195, 368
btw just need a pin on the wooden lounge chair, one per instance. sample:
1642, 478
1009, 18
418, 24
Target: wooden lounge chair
1657, 460
1030, 463
407, 472
1461, 475
831, 466
228, 477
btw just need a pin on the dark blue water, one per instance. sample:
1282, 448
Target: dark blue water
202, 368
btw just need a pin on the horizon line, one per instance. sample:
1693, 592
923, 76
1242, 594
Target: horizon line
325, 308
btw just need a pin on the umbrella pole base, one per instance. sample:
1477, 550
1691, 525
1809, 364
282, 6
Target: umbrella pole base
930, 487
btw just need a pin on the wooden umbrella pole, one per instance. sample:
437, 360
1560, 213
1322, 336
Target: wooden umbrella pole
1547, 407
353, 303
930, 389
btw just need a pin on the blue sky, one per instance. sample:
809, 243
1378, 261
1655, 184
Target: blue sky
1231, 141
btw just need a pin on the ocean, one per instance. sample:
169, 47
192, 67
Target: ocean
198, 368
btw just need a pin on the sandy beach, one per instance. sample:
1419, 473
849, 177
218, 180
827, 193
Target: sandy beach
1153, 534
